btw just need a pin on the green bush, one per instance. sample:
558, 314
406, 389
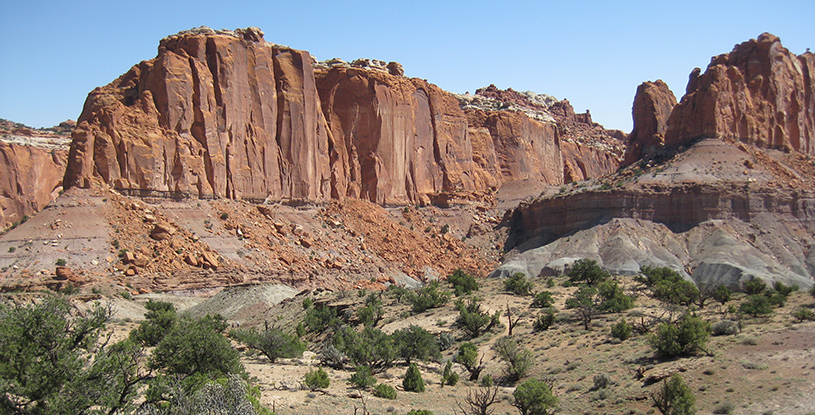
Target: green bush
428, 297
543, 299
756, 305
362, 377
535, 397
413, 381
372, 312
317, 379
676, 291
675, 397
586, 271
584, 296
754, 286
415, 343
487, 381
370, 347
722, 294
725, 328
449, 377
61, 262
518, 284
518, 359
612, 297
651, 276
158, 321
473, 321
307, 303
385, 391
467, 356
419, 412
196, 346
462, 282
224, 216
803, 313
622, 330
544, 321
320, 318
687, 335
272, 342
784, 290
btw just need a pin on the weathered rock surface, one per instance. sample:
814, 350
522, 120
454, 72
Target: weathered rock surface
653, 104
760, 92
215, 114
30, 177
225, 114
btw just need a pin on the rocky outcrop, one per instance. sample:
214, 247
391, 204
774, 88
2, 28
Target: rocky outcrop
215, 114
653, 104
30, 177
760, 93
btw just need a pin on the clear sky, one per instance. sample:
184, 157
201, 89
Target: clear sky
594, 53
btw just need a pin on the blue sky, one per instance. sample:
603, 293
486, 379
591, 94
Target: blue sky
595, 53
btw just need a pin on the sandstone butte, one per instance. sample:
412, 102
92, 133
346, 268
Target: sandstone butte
30, 178
226, 114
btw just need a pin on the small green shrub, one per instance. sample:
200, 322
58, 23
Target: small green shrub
317, 379
535, 397
612, 297
449, 377
473, 321
518, 284
385, 391
754, 286
419, 412
12, 248
307, 303
722, 294
518, 359
756, 305
725, 328
362, 378
61, 262
462, 282
687, 335
622, 330
543, 299
224, 216
428, 297
413, 381
487, 381
587, 271
803, 313
724, 408
415, 343
675, 397
544, 321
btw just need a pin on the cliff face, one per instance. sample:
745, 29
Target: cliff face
225, 114
30, 177
213, 115
652, 108
760, 93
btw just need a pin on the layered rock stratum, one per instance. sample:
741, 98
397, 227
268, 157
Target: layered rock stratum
226, 114
722, 189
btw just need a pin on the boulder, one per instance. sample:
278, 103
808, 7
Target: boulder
209, 260
162, 231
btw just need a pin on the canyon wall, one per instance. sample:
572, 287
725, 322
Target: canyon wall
225, 114
760, 93
30, 178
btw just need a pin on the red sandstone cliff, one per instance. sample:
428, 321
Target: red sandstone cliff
225, 114
30, 177
653, 104
760, 93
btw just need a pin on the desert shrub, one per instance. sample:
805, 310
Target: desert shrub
158, 320
307, 303
372, 312
542, 299
775, 298
583, 301
803, 313
724, 408
428, 297
415, 343
224, 216
272, 342
43, 360
473, 321
370, 347
362, 377
601, 381
331, 356
687, 335
612, 297
518, 284
518, 359
321, 317
587, 271
317, 379
544, 321
385, 391
756, 305
61, 262
467, 356
449, 377
674, 397
413, 381
535, 397
672, 289
783, 289
222, 396
722, 294
621, 330
486, 381
197, 346
754, 286
725, 328
462, 282
419, 412
445, 340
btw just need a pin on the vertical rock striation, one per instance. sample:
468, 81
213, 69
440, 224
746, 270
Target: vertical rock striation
652, 107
